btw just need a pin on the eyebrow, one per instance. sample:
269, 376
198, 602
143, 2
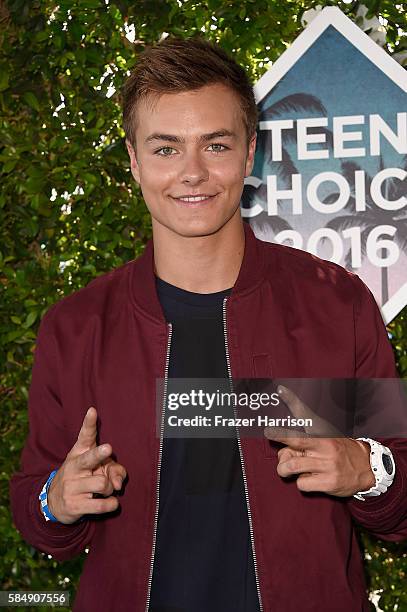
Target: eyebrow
202, 138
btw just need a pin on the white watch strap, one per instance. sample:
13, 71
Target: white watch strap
383, 479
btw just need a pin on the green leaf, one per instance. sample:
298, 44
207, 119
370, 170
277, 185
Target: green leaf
9, 165
93, 4
4, 78
31, 100
34, 185
31, 318
91, 178
13, 335
76, 30
41, 36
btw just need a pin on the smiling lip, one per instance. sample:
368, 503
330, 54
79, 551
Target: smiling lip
194, 200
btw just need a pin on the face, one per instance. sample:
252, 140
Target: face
191, 158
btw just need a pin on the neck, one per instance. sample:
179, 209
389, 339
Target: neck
201, 264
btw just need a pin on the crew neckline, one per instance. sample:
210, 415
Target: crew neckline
190, 297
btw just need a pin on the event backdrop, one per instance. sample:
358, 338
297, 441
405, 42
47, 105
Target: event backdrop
331, 162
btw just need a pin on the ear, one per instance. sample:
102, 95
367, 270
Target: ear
135, 170
250, 156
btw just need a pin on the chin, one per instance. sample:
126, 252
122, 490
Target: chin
194, 228
195, 232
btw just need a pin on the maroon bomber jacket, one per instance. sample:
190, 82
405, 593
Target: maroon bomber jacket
289, 315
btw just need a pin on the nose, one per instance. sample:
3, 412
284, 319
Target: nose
194, 170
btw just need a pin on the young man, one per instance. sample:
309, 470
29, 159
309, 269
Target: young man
199, 525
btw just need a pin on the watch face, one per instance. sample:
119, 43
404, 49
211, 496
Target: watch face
387, 463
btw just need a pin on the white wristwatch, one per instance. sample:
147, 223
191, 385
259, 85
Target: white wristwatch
383, 467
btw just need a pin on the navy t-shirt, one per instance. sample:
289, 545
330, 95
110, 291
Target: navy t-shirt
203, 559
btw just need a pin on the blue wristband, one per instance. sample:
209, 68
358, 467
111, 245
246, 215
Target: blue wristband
43, 497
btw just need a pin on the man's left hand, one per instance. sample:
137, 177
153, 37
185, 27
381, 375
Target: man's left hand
334, 465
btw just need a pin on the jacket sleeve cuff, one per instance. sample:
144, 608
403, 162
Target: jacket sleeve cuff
385, 512
54, 531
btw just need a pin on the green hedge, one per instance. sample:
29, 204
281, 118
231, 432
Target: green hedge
70, 210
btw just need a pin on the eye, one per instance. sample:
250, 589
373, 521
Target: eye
219, 150
163, 151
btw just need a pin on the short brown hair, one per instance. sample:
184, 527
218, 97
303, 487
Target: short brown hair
176, 65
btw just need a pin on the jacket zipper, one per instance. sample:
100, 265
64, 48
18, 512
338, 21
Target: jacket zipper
246, 490
167, 364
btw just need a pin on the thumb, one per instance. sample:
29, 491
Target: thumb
87, 433
92, 458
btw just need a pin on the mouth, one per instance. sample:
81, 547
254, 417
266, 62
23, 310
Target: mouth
195, 201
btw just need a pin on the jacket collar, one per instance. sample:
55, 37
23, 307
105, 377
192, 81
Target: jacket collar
142, 278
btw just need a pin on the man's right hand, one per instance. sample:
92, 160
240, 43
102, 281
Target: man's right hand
87, 469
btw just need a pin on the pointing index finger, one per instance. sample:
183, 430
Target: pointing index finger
88, 431
319, 427
297, 406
